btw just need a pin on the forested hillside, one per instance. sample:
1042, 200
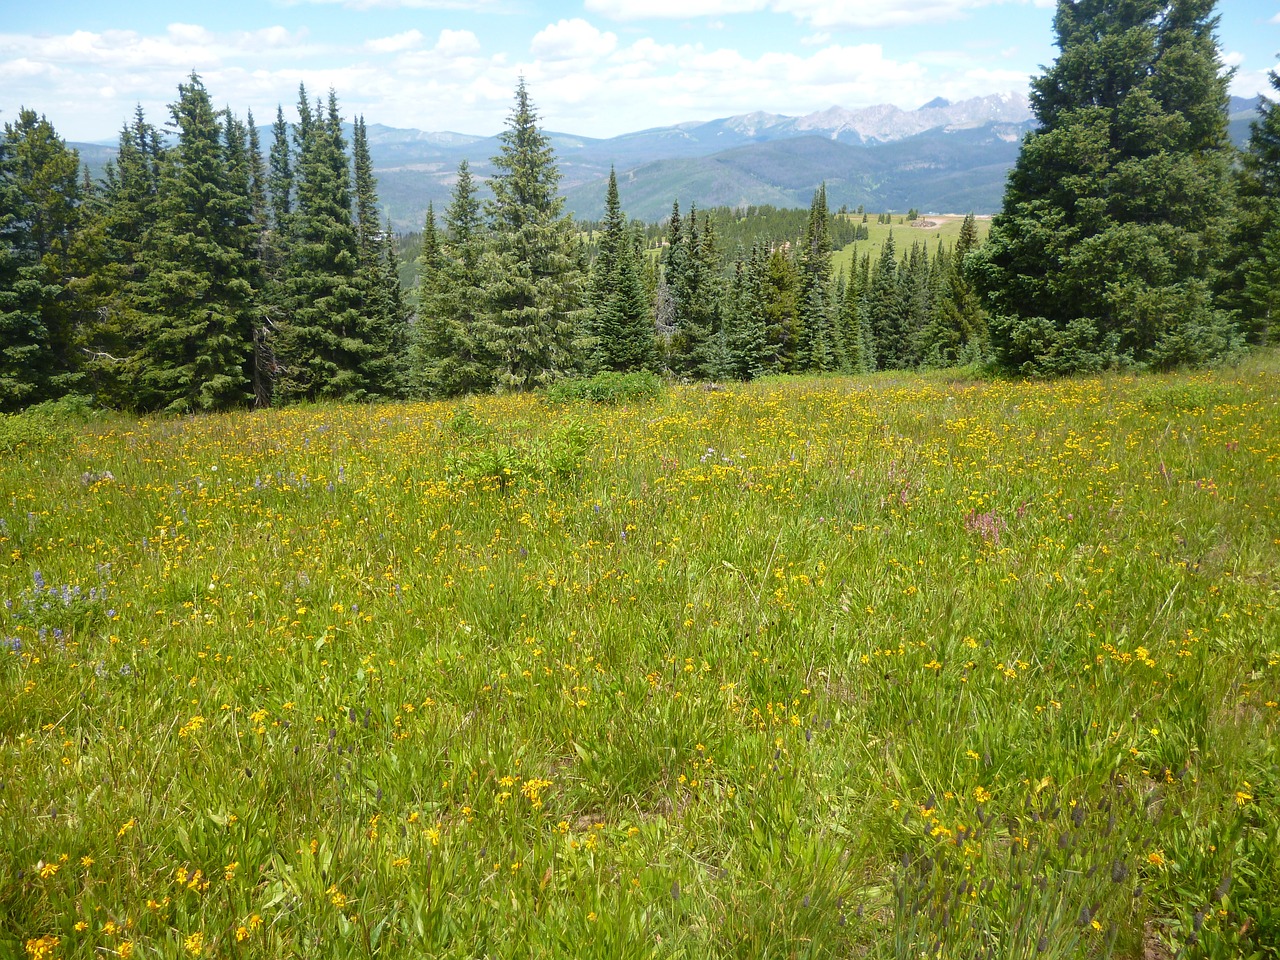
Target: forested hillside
209, 269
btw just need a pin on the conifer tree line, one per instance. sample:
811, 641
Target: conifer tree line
198, 274
208, 271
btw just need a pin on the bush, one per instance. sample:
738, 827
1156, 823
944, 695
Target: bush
559, 456
610, 387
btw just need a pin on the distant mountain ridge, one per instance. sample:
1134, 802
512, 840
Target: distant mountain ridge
943, 157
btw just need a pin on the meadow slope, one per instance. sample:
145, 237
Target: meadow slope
888, 666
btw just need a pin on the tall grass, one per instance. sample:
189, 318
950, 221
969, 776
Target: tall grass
887, 667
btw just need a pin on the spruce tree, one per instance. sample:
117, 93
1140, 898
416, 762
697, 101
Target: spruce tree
957, 332
108, 274
820, 346
321, 342
672, 285
280, 177
39, 216
884, 310
261, 256
533, 278
196, 299
915, 296
622, 329
1115, 212
604, 270
748, 345
380, 306
780, 301
1252, 286
706, 335
449, 354
626, 324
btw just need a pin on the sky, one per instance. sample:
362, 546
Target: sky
596, 68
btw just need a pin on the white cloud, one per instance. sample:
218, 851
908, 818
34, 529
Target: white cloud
1250, 83
571, 40
457, 43
1233, 58
395, 43
668, 9
819, 13
475, 6
582, 79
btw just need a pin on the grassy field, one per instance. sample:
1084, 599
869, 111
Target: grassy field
926, 230
891, 667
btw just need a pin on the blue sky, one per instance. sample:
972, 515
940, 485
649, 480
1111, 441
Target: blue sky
594, 67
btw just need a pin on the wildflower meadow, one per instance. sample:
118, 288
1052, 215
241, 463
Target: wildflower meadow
884, 666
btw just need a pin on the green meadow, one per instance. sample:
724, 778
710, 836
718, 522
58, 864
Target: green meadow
887, 666
929, 231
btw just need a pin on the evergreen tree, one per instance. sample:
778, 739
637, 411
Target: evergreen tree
196, 298
780, 302
107, 275
1115, 212
673, 285
39, 216
820, 346
260, 256
747, 339
604, 273
380, 304
884, 311
1252, 285
916, 299
622, 326
687, 278
280, 178
957, 332
706, 337
533, 280
258, 203
626, 324
450, 355
321, 343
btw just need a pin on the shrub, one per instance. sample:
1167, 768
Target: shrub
610, 387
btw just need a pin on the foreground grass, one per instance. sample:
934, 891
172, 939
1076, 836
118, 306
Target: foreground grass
880, 667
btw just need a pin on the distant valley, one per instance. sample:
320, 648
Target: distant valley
943, 157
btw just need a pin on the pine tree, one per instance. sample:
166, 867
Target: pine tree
383, 316
672, 285
39, 217
107, 275
884, 311
280, 178
1115, 212
748, 345
820, 346
1252, 285
321, 343
957, 332
622, 329
533, 280
915, 295
780, 300
604, 270
246, 179
260, 256
196, 298
450, 358
707, 339
626, 325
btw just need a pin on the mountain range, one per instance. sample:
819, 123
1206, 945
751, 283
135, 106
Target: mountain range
942, 157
